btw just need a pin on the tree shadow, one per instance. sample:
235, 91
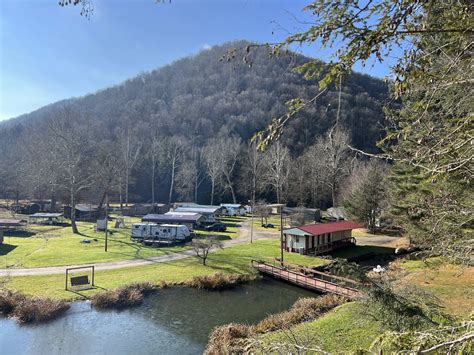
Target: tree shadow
19, 234
360, 252
6, 248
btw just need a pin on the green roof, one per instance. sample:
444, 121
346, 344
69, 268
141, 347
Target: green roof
295, 231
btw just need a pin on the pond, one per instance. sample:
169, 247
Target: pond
176, 320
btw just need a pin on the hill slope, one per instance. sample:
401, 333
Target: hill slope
200, 97
204, 95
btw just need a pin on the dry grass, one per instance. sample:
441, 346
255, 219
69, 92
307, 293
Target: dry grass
30, 309
234, 338
305, 309
219, 281
130, 295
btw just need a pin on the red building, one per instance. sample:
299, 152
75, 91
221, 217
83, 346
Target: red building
319, 238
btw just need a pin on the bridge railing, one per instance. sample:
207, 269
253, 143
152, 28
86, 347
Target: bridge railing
324, 282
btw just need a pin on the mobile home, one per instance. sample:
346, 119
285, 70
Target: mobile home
234, 209
160, 233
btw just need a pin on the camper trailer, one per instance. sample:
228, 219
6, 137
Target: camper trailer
152, 233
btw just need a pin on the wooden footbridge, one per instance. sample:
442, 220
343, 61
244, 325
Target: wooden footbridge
316, 280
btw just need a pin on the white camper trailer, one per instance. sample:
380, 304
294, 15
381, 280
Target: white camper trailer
152, 233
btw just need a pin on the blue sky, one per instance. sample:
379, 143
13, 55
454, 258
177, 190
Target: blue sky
49, 53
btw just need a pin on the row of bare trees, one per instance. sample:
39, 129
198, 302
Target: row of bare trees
63, 157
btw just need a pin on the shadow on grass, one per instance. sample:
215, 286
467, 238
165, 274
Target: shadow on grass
19, 234
359, 251
6, 248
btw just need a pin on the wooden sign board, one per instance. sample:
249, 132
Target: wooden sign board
80, 281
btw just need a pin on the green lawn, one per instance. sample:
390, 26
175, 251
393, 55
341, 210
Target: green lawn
344, 329
55, 246
231, 260
273, 219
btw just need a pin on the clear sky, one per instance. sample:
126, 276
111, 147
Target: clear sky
49, 53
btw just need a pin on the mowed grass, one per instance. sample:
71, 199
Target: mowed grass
55, 246
453, 285
233, 224
236, 260
344, 329
272, 219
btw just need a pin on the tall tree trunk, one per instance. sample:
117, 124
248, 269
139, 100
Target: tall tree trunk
212, 191
153, 180
53, 200
173, 168
231, 189
127, 177
73, 213
196, 187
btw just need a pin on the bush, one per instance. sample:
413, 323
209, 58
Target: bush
37, 310
218, 281
125, 296
229, 339
30, 310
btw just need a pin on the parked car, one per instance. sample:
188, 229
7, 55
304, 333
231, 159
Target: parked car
268, 225
216, 227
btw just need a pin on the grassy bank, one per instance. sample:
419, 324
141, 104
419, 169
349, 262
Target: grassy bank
237, 338
234, 260
344, 329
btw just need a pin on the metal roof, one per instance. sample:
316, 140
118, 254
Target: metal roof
46, 215
202, 210
232, 205
12, 222
323, 228
295, 231
172, 218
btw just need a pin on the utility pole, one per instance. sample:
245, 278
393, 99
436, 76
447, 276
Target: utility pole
106, 219
251, 223
281, 233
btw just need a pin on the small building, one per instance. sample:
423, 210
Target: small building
152, 233
191, 220
233, 209
275, 208
142, 209
46, 218
209, 213
83, 212
316, 239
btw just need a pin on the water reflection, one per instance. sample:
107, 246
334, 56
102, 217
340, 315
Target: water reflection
173, 321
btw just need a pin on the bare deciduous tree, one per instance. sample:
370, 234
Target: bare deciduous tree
74, 158
203, 246
277, 162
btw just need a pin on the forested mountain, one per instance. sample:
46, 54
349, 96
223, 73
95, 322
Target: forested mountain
158, 122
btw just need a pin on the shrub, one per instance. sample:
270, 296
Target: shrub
30, 310
228, 339
218, 281
125, 296
36, 310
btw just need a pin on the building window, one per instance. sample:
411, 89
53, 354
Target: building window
297, 239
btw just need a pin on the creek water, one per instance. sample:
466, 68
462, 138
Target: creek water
173, 321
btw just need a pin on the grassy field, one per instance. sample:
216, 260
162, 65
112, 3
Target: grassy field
55, 246
345, 328
231, 260
453, 285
